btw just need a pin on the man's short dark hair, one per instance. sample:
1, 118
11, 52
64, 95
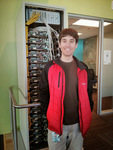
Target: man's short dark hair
69, 31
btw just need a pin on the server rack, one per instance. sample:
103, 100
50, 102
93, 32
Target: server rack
41, 38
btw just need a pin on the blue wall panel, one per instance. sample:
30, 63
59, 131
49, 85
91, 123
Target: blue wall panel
79, 50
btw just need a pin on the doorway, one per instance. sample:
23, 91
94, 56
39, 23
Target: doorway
92, 32
106, 102
87, 50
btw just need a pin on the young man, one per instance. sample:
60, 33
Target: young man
66, 96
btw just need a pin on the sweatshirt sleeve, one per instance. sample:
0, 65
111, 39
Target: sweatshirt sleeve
44, 90
89, 88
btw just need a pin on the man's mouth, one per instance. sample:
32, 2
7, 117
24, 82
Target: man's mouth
67, 49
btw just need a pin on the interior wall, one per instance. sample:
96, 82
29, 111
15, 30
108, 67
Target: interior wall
107, 73
78, 53
86, 7
109, 35
89, 52
8, 51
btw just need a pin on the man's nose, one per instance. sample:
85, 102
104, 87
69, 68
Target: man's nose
67, 44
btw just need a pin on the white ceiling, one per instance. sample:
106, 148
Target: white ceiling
88, 31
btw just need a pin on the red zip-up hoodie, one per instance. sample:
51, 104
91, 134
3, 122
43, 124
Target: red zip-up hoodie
52, 91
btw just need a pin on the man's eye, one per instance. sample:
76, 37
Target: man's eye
72, 41
63, 41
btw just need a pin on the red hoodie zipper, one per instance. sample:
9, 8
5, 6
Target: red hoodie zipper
61, 106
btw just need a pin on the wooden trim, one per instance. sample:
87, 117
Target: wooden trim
4, 138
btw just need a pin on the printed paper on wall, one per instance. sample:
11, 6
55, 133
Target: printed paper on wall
107, 57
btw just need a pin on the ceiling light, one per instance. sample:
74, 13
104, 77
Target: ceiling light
90, 23
79, 33
106, 23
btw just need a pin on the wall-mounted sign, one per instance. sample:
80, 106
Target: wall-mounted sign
107, 57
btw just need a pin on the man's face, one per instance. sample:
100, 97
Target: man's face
68, 46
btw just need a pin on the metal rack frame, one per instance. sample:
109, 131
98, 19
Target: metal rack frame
13, 107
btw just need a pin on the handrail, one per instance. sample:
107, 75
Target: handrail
25, 97
14, 106
23, 105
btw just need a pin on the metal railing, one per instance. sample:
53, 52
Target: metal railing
13, 107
